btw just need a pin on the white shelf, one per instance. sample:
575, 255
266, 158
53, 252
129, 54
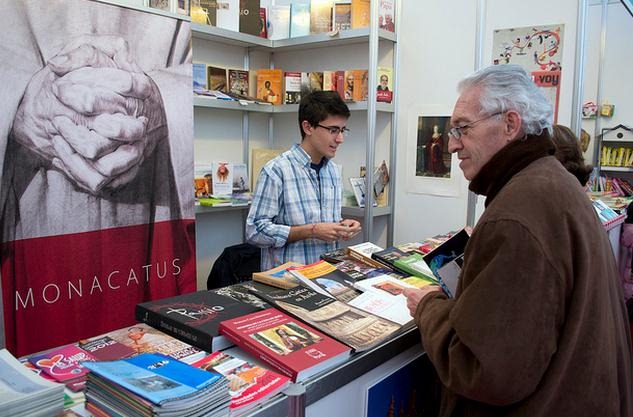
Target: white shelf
320, 40
616, 169
201, 101
210, 209
347, 211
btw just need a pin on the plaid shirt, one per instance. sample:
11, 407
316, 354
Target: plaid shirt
289, 193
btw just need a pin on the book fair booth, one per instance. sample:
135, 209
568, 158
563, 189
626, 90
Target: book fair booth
126, 291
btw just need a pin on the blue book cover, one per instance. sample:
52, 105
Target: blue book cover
299, 19
155, 377
199, 76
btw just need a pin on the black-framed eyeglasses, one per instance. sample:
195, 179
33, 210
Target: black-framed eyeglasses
457, 131
335, 130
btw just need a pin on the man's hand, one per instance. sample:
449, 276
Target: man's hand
331, 232
415, 295
353, 229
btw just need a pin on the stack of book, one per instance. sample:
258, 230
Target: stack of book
154, 384
24, 393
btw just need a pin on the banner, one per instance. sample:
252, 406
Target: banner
96, 136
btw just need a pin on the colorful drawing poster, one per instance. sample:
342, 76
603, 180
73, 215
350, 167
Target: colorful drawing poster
535, 48
549, 83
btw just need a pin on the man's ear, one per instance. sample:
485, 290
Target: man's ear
307, 127
513, 125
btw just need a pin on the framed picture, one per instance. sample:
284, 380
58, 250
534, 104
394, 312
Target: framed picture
409, 390
431, 169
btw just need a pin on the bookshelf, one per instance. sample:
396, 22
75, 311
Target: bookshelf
229, 130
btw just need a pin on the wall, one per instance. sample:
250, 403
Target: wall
437, 49
618, 61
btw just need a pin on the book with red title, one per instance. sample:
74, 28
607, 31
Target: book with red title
249, 384
290, 346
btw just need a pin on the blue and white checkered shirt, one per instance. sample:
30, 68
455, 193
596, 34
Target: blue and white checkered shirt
289, 193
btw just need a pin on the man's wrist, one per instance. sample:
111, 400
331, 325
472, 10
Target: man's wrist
313, 230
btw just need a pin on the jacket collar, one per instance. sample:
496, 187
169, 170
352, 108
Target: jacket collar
510, 160
302, 156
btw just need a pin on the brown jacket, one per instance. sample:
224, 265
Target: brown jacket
538, 327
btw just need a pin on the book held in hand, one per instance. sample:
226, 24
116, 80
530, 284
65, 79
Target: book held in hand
448, 251
293, 348
193, 317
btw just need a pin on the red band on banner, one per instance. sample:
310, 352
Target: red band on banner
57, 290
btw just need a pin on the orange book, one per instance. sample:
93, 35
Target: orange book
270, 85
360, 14
360, 85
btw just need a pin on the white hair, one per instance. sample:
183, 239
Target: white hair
509, 87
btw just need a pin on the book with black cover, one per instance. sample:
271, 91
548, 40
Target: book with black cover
324, 277
194, 317
453, 248
350, 325
388, 256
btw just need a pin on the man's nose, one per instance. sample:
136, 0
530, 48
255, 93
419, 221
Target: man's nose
454, 144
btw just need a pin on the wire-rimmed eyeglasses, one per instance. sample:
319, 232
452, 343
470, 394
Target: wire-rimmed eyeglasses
456, 132
335, 130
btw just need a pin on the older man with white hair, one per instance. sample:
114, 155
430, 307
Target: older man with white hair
538, 326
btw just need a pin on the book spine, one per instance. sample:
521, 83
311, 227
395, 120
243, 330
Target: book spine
364, 259
273, 282
249, 347
172, 327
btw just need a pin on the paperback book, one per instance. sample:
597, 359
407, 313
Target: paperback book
199, 77
320, 16
293, 348
325, 278
216, 79
363, 251
64, 364
384, 90
279, 276
415, 265
249, 20
105, 348
342, 15
193, 317
167, 384
238, 82
347, 324
299, 19
448, 251
249, 384
270, 85
383, 296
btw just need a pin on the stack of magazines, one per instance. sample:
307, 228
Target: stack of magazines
24, 393
157, 385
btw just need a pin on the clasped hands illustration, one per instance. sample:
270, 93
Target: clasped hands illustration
92, 113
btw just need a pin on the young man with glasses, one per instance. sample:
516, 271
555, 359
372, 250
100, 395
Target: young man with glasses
538, 325
296, 209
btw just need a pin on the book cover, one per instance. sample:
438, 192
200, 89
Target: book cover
356, 269
359, 185
146, 339
249, 17
341, 84
228, 15
155, 377
363, 251
259, 158
347, 324
320, 16
384, 90
335, 256
360, 14
278, 277
292, 83
263, 22
324, 277
342, 15
316, 80
242, 292
204, 12
216, 78
241, 182
193, 317
414, 264
249, 384
104, 348
238, 81
183, 7
199, 77
329, 80
359, 92
293, 348
202, 180
269, 85
445, 253
388, 257
348, 85
386, 15
299, 19
64, 364
383, 296
222, 178
279, 22
305, 82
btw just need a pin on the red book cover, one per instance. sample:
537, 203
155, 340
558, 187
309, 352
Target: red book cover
290, 346
249, 384
63, 364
